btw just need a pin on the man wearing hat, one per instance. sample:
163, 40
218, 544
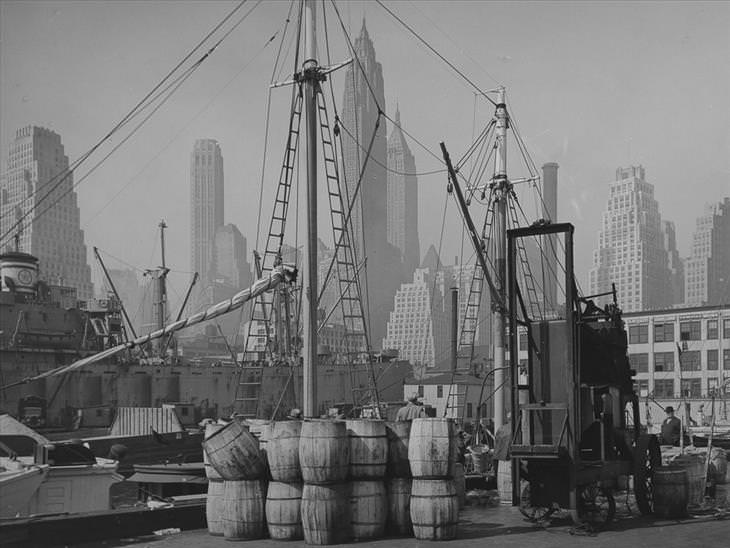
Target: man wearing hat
411, 410
671, 428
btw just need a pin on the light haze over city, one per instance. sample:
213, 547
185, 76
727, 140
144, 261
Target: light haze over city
593, 86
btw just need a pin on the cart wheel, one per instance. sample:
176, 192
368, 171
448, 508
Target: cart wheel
596, 504
533, 513
647, 458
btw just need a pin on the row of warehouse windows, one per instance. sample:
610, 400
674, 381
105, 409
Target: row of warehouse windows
690, 330
689, 360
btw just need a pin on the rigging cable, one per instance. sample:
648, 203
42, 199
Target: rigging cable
137, 109
433, 50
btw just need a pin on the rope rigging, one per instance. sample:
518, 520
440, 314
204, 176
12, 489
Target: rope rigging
159, 90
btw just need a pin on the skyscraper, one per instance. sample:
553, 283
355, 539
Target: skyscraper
631, 251
36, 181
418, 326
206, 207
707, 277
402, 199
363, 94
674, 263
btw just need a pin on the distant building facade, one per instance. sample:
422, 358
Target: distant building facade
231, 251
403, 199
631, 251
674, 263
708, 266
37, 179
682, 352
131, 294
418, 327
206, 206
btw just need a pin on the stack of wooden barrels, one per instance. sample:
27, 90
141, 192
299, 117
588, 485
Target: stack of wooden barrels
329, 481
234, 453
434, 501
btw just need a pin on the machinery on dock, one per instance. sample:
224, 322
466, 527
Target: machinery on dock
576, 420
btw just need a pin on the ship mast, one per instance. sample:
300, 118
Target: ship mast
502, 187
310, 76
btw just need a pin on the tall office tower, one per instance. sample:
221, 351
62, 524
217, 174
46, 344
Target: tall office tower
363, 94
38, 183
230, 256
418, 327
674, 263
206, 207
707, 275
631, 250
403, 199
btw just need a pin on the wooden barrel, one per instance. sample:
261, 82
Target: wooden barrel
368, 507
324, 452
460, 484
282, 451
234, 453
722, 496
368, 448
504, 482
284, 511
718, 464
243, 510
434, 509
398, 435
214, 507
399, 507
210, 472
671, 492
694, 465
430, 448
326, 513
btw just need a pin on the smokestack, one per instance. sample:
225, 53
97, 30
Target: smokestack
454, 325
549, 243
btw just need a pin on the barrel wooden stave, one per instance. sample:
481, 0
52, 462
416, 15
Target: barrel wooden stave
214, 506
368, 507
234, 453
694, 465
434, 509
431, 448
326, 513
399, 507
671, 492
398, 436
210, 472
284, 511
368, 448
282, 451
324, 452
460, 484
243, 511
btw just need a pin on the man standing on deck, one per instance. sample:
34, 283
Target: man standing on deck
671, 428
411, 410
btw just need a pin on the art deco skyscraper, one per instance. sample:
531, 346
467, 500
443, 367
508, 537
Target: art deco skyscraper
708, 268
403, 199
52, 232
206, 207
363, 94
631, 251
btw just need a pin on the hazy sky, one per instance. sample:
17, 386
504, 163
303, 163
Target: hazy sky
593, 85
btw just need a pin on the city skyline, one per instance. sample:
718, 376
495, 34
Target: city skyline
601, 99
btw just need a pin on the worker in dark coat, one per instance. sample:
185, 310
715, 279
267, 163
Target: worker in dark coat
671, 428
411, 410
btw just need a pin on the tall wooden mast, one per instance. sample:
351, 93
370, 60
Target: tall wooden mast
310, 76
